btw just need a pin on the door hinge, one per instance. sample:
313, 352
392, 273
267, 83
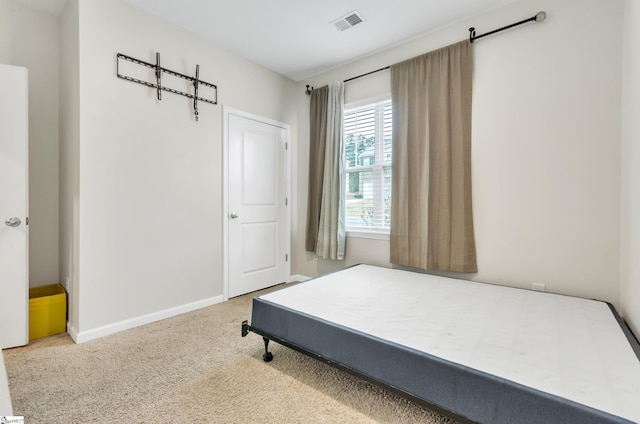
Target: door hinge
286, 201
286, 146
286, 257
27, 221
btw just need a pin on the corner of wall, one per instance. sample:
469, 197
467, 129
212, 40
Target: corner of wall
69, 136
630, 177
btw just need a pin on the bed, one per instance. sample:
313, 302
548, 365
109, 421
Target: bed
477, 352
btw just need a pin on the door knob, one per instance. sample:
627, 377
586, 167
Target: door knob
13, 222
233, 216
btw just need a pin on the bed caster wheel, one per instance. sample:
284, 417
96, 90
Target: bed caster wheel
267, 356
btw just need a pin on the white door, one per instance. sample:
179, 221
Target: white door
258, 224
14, 232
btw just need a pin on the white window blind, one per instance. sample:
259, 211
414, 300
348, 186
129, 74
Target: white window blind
367, 141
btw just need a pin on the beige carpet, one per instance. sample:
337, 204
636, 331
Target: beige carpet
194, 368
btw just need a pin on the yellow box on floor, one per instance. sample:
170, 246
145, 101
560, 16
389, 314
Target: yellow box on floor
47, 311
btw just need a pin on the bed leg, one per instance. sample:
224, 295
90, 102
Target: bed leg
268, 356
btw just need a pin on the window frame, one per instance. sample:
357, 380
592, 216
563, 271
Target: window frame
377, 169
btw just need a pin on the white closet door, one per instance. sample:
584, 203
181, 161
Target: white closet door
14, 231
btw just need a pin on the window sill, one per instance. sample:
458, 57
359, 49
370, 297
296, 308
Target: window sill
371, 234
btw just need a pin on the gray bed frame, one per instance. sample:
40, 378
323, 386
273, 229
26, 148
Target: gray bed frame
454, 390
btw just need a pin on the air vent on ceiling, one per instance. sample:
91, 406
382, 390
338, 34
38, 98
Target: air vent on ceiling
349, 20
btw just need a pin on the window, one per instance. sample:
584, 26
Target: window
367, 144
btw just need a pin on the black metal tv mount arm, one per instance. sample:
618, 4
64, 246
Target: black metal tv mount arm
159, 70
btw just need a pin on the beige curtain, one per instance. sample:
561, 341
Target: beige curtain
431, 215
317, 143
325, 208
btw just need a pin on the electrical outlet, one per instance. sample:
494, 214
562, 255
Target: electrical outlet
537, 287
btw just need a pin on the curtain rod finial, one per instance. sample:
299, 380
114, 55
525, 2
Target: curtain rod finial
541, 16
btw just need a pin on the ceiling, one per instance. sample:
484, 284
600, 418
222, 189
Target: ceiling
295, 38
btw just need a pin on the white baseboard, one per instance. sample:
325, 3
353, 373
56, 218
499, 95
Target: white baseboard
72, 332
85, 336
299, 278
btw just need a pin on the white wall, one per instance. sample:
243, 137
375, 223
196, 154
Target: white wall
30, 38
546, 151
69, 156
630, 225
150, 182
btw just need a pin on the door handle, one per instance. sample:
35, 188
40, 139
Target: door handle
13, 222
233, 216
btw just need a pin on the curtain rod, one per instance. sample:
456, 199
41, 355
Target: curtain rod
310, 88
539, 17
368, 73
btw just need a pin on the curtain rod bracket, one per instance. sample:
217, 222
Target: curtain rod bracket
308, 90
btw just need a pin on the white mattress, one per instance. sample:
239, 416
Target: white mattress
566, 346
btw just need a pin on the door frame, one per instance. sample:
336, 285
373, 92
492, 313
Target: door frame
226, 112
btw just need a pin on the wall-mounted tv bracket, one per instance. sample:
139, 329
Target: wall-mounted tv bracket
196, 81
